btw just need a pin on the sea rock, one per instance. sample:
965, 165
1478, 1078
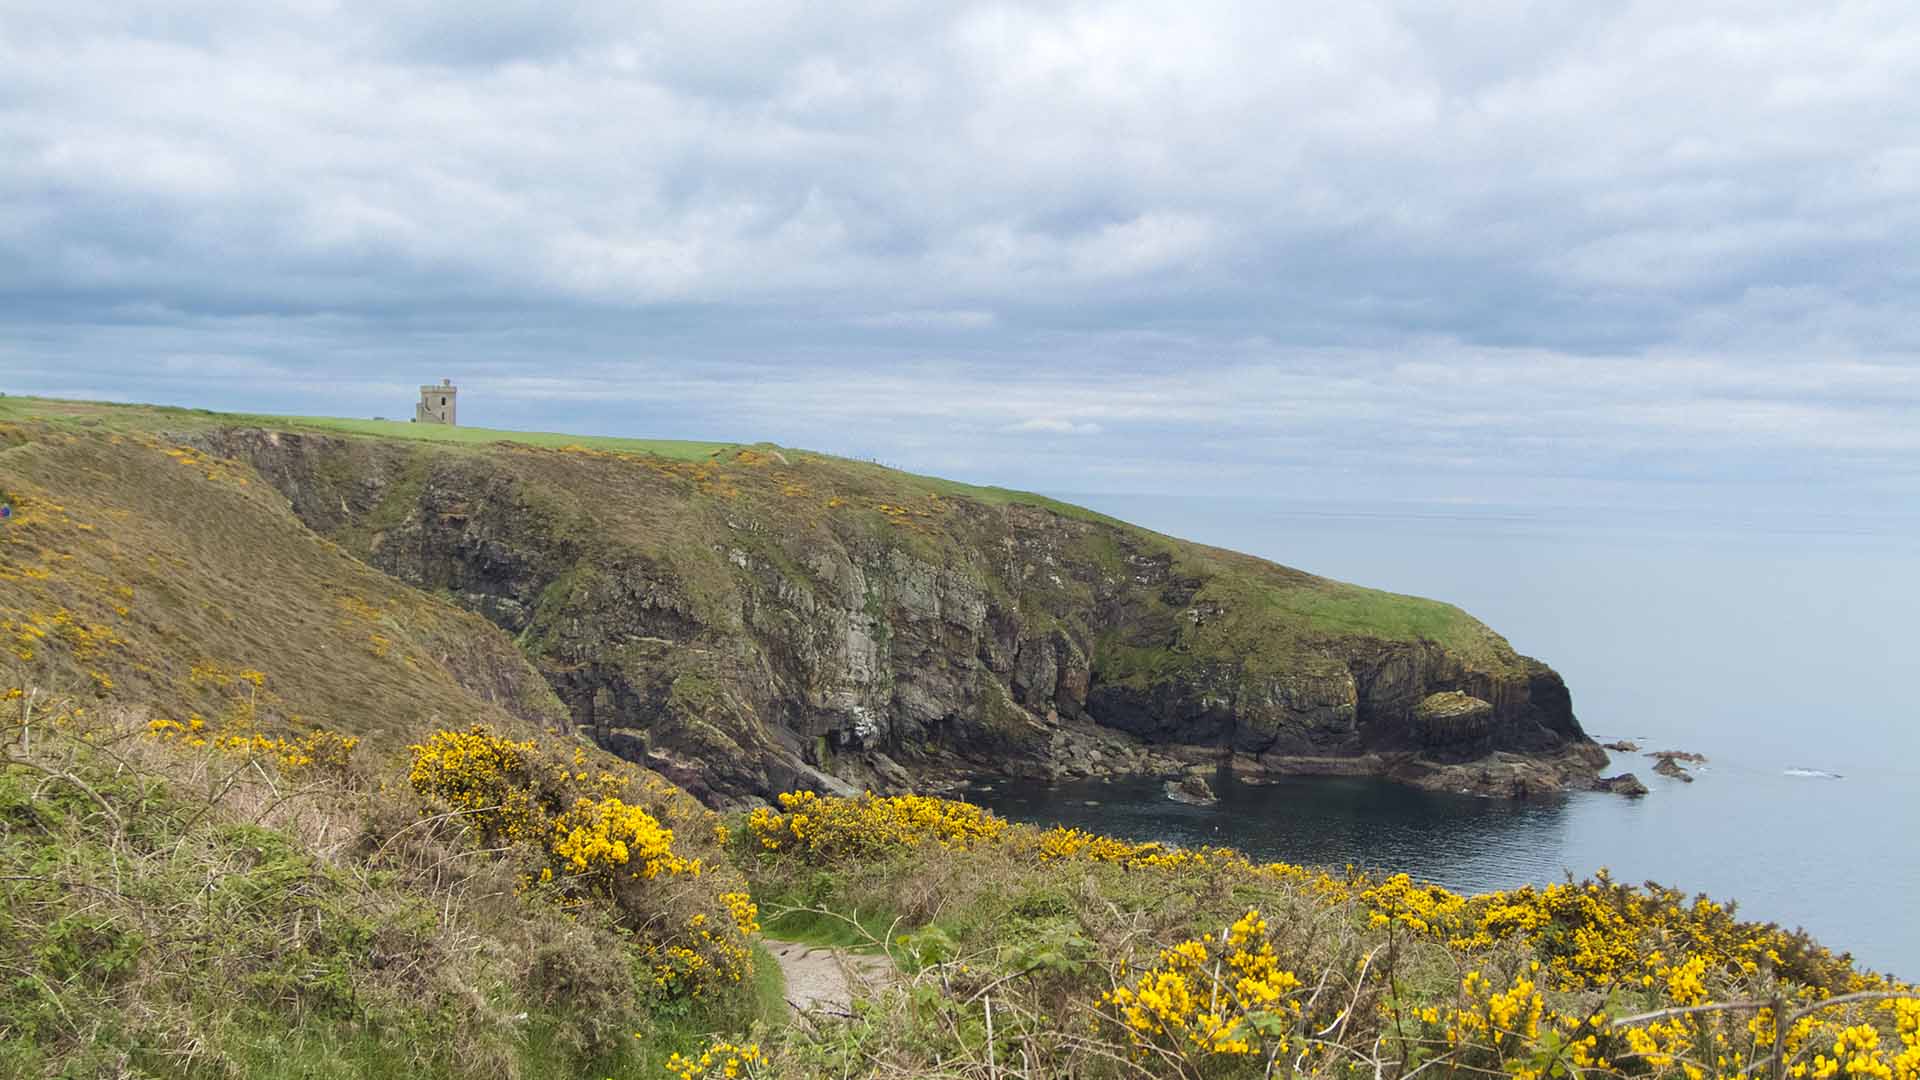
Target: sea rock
1622, 746
1502, 775
1193, 790
1624, 784
1667, 766
1677, 755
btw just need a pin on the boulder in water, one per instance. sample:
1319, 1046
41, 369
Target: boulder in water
1624, 784
1192, 789
1665, 765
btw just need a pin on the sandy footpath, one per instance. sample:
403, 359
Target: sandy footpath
821, 979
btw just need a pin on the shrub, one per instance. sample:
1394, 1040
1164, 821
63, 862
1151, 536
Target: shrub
483, 775
587, 838
824, 829
1218, 995
597, 840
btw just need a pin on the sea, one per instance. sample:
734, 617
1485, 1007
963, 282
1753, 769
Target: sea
1784, 647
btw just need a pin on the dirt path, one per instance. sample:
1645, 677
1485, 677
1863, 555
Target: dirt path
826, 979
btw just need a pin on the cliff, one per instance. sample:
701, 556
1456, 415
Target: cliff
750, 620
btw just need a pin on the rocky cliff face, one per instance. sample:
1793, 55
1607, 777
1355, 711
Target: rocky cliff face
763, 620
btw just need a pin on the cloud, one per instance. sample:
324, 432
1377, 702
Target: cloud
1389, 246
929, 320
1053, 425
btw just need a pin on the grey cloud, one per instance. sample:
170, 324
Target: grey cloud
1431, 246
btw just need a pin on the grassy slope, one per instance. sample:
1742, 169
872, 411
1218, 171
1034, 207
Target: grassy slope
655, 494
180, 912
164, 912
1049, 935
169, 912
139, 571
149, 418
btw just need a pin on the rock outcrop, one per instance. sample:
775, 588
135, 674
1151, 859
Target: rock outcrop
1624, 784
750, 623
1667, 765
1453, 721
1192, 789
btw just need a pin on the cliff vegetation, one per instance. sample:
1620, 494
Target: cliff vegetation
330, 755
752, 619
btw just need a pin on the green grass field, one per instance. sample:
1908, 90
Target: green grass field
163, 417
111, 416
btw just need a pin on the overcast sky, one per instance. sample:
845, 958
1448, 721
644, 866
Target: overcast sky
1598, 254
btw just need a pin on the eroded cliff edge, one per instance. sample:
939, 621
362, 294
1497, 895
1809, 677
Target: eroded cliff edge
762, 619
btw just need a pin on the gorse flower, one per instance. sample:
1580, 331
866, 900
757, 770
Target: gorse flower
591, 841
607, 835
318, 749
1233, 1002
826, 828
481, 773
1225, 994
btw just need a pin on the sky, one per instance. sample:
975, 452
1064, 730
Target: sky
1597, 255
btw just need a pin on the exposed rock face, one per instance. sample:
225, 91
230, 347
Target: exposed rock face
755, 624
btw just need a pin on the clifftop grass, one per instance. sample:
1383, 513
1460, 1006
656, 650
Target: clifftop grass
157, 418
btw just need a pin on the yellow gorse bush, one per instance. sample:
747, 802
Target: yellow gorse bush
589, 842
826, 828
606, 836
745, 913
319, 749
1220, 995
484, 775
1595, 951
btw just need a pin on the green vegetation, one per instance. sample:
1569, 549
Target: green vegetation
793, 488
1024, 952
678, 449
177, 911
145, 572
204, 873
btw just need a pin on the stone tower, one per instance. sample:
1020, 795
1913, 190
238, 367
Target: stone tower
437, 404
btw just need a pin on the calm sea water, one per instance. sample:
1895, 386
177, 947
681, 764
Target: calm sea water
1782, 648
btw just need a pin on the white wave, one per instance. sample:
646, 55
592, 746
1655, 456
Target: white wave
1813, 772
